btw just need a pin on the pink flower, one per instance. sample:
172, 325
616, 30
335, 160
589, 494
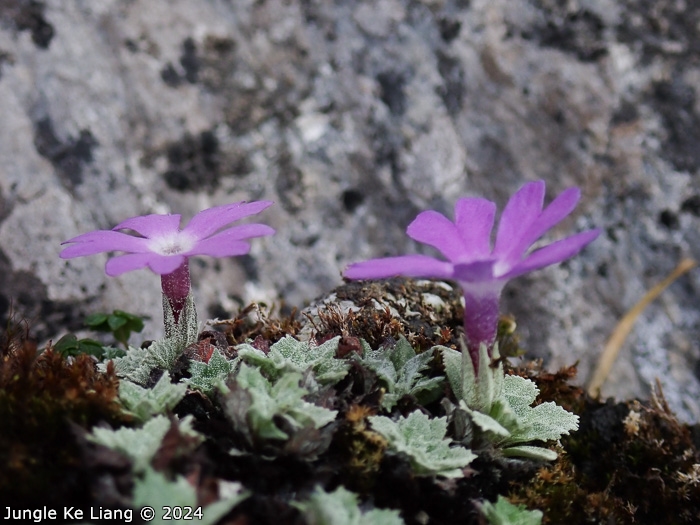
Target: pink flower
165, 248
481, 270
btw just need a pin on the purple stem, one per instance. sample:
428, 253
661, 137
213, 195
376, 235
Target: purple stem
480, 318
176, 288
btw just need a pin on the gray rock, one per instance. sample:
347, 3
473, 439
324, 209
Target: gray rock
354, 117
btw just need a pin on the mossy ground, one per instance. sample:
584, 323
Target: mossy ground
630, 462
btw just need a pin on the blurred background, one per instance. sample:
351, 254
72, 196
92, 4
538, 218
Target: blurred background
353, 116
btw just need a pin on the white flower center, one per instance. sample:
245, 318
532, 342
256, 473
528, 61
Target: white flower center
172, 244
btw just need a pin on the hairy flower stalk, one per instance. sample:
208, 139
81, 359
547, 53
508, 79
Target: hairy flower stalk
163, 247
176, 287
480, 270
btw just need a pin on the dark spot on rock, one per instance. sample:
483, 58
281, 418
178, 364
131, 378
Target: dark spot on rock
625, 114
453, 88
217, 64
675, 102
189, 60
5, 207
352, 198
250, 267
68, 157
193, 163
170, 76
669, 219
575, 31
28, 16
219, 45
289, 184
131, 45
602, 270
691, 205
449, 29
392, 91
5, 58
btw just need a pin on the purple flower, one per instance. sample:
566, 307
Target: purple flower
165, 248
480, 270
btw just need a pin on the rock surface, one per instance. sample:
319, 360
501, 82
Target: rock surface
353, 117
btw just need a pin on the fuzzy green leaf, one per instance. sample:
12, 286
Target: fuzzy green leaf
478, 392
143, 403
185, 331
282, 399
485, 422
140, 444
291, 355
138, 363
212, 375
341, 507
530, 452
423, 440
504, 512
401, 371
545, 422
153, 489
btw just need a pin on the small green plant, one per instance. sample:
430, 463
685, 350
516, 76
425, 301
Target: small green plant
291, 355
341, 507
138, 363
503, 512
499, 405
256, 404
423, 440
143, 403
212, 375
70, 345
400, 369
119, 323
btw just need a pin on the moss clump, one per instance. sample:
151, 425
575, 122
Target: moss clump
629, 462
44, 399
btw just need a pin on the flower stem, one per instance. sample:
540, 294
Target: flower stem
480, 319
176, 287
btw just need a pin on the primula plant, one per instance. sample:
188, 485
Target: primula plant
163, 247
481, 270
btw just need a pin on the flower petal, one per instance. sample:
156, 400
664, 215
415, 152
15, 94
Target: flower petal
474, 220
209, 221
127, 263
103, 241
244, 231
556, 211
522, 210
228, 243
475, 272
165, 264
160, 264
434, 229
553, 253
218, 247
154, 225
406, 265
